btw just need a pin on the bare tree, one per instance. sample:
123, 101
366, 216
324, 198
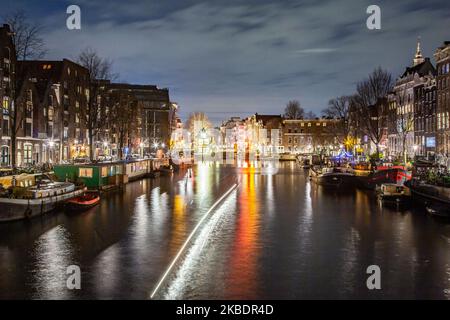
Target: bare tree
403, 118
100, 69
293, 110
124, 115
201, 117
28, 45
369, 95
310, 115
26, 36
339, 108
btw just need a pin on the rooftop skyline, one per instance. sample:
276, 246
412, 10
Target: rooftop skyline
236, 58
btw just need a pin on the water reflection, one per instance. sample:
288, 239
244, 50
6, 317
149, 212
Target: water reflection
275, 236
243, 281
52, 254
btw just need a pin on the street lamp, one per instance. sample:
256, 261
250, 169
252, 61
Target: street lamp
51, 145
203, 136
415, 148
141, 146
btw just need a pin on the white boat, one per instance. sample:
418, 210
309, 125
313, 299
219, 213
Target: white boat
394, 192
37, 201
46, 189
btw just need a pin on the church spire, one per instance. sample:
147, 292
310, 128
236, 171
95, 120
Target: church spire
418, 58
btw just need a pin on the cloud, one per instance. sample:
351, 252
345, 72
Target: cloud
315, 50
247, 56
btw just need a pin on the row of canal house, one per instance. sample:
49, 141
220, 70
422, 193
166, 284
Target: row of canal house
45, 114
413, 119
420, 105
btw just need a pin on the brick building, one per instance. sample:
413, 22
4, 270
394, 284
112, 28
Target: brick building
62, 94
442, 58
310, 135
157, 115
7, 79
404, 108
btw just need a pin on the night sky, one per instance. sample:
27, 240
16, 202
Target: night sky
232, 57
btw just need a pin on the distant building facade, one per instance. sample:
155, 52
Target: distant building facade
408, 113
157, 115
442, 58
7, 79
61, 94
310, 135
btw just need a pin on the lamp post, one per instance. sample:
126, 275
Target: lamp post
51, 145
415, 148
203, 136
141, 147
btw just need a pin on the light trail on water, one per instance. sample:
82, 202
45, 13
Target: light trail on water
183, 247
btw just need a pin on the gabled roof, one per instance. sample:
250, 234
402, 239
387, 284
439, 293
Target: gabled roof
42, 76
422, 69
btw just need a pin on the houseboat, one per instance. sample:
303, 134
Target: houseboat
391, 192
370, 179
332, 177
106, 175
29, 202
435, 198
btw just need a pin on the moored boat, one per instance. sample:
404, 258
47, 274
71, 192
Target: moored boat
83, 202
332, 177
26, 208
382, 175
391, 192
436, 199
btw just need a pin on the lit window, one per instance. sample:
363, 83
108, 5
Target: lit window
85, 172
5, 105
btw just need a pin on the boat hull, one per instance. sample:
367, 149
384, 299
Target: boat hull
19, 209
82, 203
333, 179
395, 198
435, 199
394, 175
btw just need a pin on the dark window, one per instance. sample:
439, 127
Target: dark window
5, 127
28, 129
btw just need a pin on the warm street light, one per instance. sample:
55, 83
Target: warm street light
203, 136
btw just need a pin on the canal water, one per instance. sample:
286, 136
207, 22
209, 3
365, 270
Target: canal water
273, 236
